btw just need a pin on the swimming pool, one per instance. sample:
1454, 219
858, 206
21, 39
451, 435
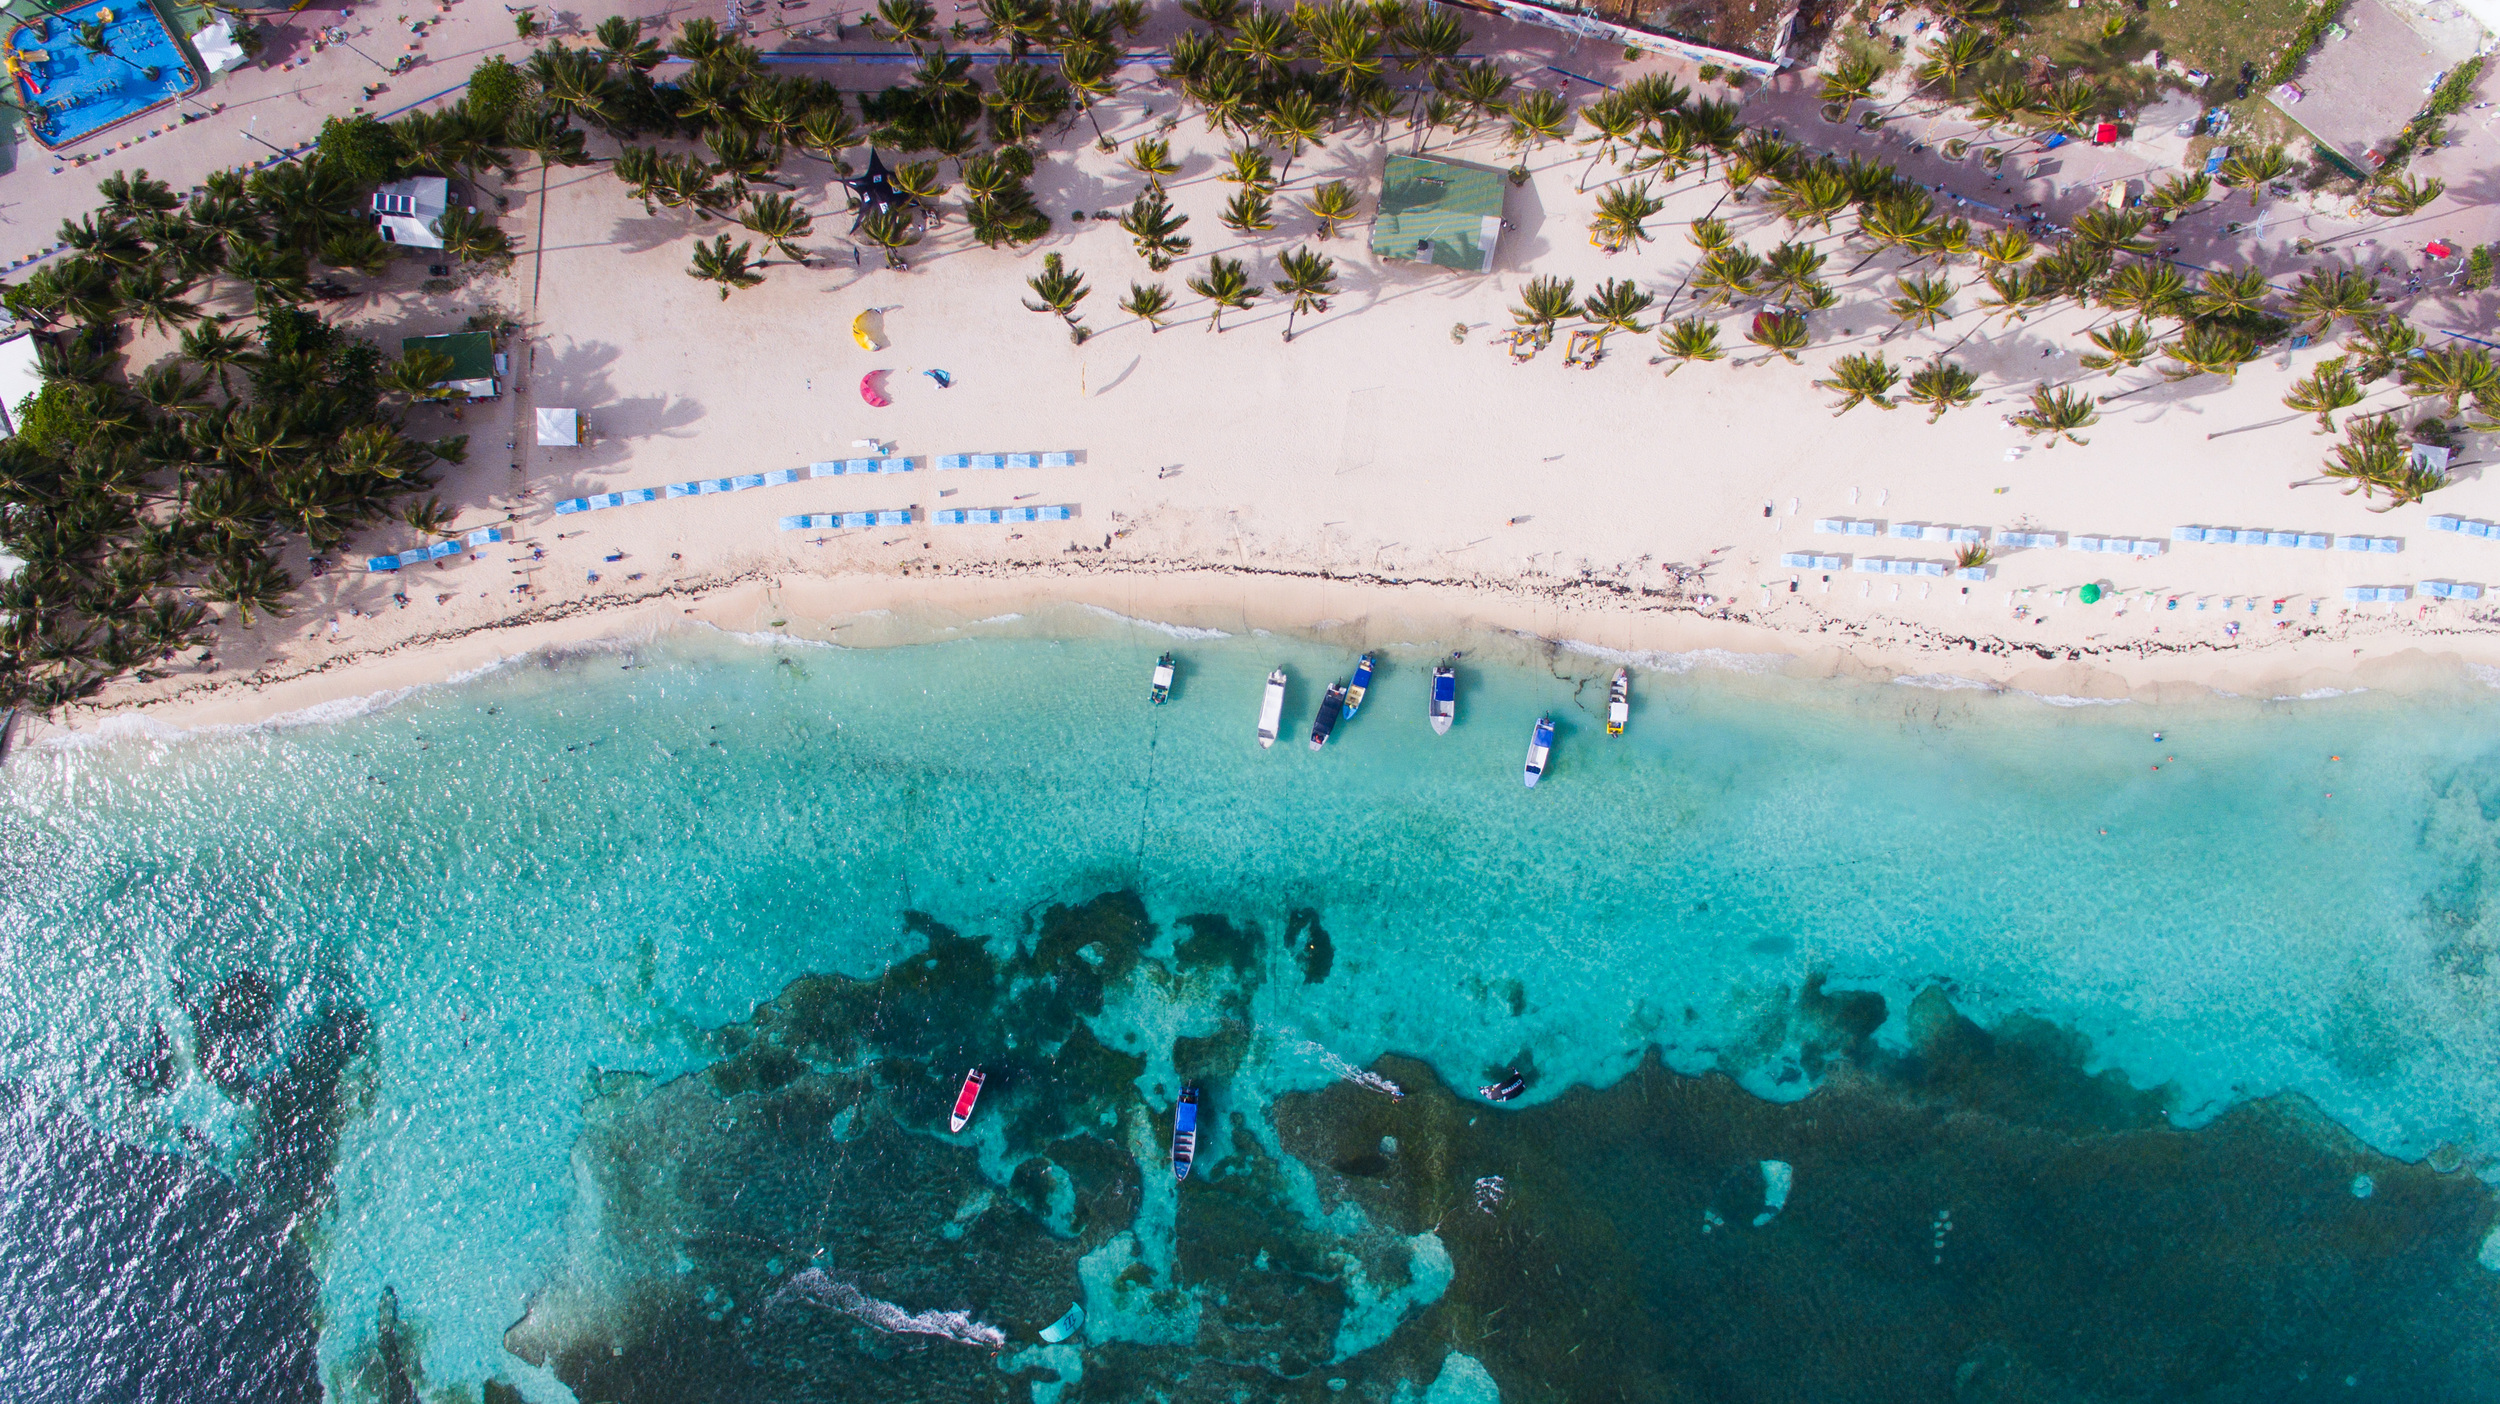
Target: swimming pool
94, 65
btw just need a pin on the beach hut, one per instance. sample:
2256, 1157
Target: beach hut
21, 377
475, 365
405, 211
1445, 213
559, 428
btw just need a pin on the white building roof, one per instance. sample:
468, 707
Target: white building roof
216, 46
405, 210
559, 428
21, 375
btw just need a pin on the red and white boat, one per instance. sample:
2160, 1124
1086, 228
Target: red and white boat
965, 1098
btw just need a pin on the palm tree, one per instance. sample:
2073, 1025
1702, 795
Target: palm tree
1295, 121
2227, 294
1225, 284
1898, 221
2107, 231
1342, 38
2181, 193
546, 135
2058, 413
1264, 39
1610, 118
2016, 291
1939, 386
2323, 391
105, 238
276, 275
1151, 157
209, 345
891, 230
1433, 36
1724, 275
1483, 89
2383, 345
1331, 205
1156, 230
1022, 100
2208, 349
2373, 455
2147, 290
911, 22
2252, 167
133, 196
1249, 212
1851, 80
2320, 300
1310, 279
1148, 301
1622, 215
2396, 195
1544, 302
2002, 103
1617, 302
2069, 103
252, 580
156, 300
416, 373
2453, 371
2125, 346
470, 237
1812, 196
1060, 290
827, 132
1537, 119
1689, 340
1921, 300
1949, 62
621, 43
780, 221
1248, 166
1859, 379
1779, 333
2004, 248
717, 262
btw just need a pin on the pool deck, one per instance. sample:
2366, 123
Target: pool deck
99, 85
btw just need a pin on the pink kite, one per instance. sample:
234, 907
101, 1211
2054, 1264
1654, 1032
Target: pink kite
868, 390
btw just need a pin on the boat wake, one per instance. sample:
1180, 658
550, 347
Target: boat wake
813, 1285
1361, 1077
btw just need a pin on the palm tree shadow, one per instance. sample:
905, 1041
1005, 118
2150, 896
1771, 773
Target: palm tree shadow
644, 233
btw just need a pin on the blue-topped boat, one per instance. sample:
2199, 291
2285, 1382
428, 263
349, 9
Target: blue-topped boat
1540, 748
1444, 698
1362, 684
1185, 1133
1331, 708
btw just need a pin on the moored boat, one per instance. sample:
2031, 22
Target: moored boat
1331, 708
1540, 748
964, 1099
1185, 1133
1163, 681
1505, 1089
1619, 702
1444, 698
1272, 709
1362, 685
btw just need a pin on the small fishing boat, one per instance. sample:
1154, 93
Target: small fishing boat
1505, 1089
1163, 681
1619, 702
1331, 708
1540, 747
1185, 1133
1272, 709
1444, 698
964, 1099
1362, 684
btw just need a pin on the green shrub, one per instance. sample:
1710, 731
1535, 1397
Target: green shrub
2312, 29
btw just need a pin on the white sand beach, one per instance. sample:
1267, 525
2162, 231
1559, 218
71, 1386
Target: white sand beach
1388, 464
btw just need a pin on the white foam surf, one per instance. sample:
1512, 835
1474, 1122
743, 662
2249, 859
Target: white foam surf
815, 1286
1178, 631
1720, 659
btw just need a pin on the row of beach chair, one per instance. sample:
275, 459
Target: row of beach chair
484, 536
996, 516
2467, 526
1882, 565
852, 467
2296, 540
837, 521
1006, 460
2451, 590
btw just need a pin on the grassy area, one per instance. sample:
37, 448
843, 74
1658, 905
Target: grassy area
2107, 38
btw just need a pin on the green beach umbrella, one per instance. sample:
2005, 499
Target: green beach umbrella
2089, 594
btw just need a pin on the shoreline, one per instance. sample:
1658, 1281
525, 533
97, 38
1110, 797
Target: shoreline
1602, 618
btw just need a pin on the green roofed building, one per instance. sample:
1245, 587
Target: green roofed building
1440, 212
474, 364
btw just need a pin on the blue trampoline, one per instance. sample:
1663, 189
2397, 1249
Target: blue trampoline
78, 91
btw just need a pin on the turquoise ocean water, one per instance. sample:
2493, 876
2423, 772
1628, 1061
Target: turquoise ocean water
362, 1044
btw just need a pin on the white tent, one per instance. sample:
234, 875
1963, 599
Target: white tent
21, 375
216, 46
559, 428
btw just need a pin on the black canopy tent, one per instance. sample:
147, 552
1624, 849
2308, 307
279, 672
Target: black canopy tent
874, 192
